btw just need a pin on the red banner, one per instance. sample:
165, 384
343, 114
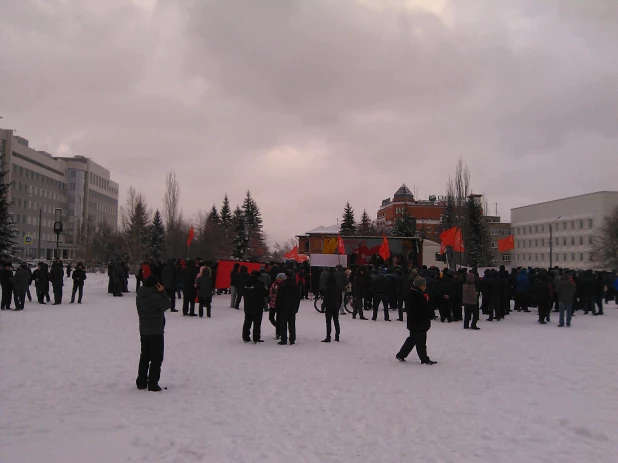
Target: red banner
385, 251
340, 245
191, 236
224, 269
506, 244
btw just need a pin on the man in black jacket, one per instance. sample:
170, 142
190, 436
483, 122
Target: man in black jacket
254, 293
188, 289
79, 276
379, 287
41, 282
152, 302
332, 303
169, 281
287, 304
57, 280
21, 282
6, 278
118, 279
419, 322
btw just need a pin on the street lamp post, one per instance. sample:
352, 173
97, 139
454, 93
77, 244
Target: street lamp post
38, 250
551, 242
58, 230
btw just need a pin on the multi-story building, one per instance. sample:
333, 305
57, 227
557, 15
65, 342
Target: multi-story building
426, 212
565, 227
42, 186
497, 231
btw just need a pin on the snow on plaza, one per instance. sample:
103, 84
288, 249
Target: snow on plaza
515, 391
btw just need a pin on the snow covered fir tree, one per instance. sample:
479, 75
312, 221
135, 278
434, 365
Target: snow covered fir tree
348, 222
8, 232
476, 236
240, 242
405, 225
156, 232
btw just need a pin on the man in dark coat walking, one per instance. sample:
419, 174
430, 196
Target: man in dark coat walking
170, 281
79, 276
188, 289
254, 293
419, 322
57, 280
287, 304
152, 302
332, 303
21, 282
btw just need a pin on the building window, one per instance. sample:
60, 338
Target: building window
536, 257
542, 241
530, 257
590, 239
557, 241
564, 256
494, 231
564, 241
564, 225
507, 232
590, 223
542, 228
536, 243
572, 241
524, 257
530, 229
506, 257
529, 243
557, 257
572, 224
492, 245
536, 229
581, 240
581, 224
573, 256
542, 256
581, 257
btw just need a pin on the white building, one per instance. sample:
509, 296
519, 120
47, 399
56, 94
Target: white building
572, 223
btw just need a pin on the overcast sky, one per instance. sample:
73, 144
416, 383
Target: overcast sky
311, 103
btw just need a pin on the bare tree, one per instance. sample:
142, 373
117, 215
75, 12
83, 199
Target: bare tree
280, 249
605, 242
171, 201
128, 210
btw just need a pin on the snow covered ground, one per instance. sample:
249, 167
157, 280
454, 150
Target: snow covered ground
515, 391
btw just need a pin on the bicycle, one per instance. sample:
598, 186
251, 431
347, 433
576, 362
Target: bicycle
348, 302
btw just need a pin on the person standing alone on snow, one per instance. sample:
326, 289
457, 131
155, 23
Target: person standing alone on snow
152, 301
79, 276
57, 279
286, 306
419, 322
332, 303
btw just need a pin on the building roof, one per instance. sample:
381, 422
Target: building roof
569, 197
403, 191
321, 230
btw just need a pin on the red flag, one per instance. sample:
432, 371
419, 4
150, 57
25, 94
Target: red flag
442, 248
452, 237
458, 245
340, 246
191, 236
385, 251
292, 253
506, 244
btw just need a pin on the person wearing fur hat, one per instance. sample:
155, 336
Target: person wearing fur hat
203, 288
152, 301
418, 323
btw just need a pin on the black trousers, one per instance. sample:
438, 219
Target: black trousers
254, 319
110, 285
544, 310
358, 306
287, 321
205, 302
188, 303
118, 285
272, 317
28, 294
7, 295
400, 306
57, 294
445, 309
471, 311
172, 295
334, 318
456, 310
238, 298
138, 283
20, 299
42, 294
521, 301
495, 310
418, 339
587, 303
151, 358
377, 298
77, 287
368, 301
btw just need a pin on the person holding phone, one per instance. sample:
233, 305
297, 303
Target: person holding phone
152, 301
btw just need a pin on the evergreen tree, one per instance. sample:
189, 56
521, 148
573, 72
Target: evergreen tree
156, 245
137, 232
348, 222
476, 235
213, 216
8, 232
448, 219
240, 242
253, 223
404, 225
226, 214
365, 225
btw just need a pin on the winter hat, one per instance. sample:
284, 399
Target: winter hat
151, 281
280, 276
419, 282
255, 273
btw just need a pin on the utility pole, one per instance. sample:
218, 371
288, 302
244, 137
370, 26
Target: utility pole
38, 251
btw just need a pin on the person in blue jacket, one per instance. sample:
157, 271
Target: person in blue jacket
522, 290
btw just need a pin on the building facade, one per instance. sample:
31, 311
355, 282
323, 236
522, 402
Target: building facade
426, 212
497, 231
44, 187
565, 227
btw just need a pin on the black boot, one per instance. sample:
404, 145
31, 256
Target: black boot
327, 339
336, 338
141, 383
428, 362
154, 387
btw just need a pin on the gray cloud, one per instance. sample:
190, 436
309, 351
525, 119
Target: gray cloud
310, 103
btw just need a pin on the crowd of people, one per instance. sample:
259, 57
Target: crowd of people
16, 283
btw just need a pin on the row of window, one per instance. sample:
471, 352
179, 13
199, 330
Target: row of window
32, 205
500, 231
102, 183
572, 225
39, 164
535, 243
101, 196
565, 256
24, 172
102, 208
28, 220
36, 191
